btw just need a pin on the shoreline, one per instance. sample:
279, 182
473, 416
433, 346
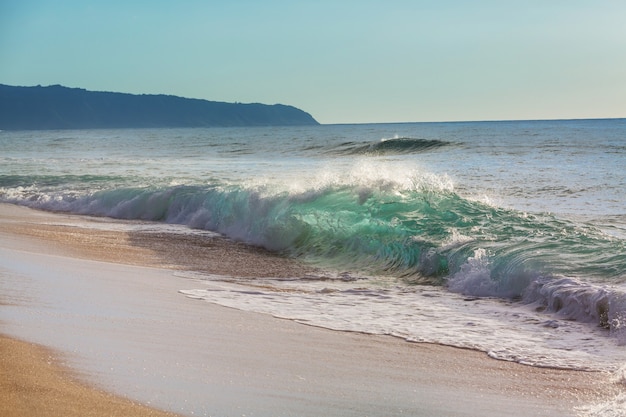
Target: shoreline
248, 363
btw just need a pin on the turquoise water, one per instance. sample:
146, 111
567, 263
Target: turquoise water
531, 213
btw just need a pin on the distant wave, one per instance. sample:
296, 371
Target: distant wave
399, 145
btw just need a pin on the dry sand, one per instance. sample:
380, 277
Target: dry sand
107, 302
33, 383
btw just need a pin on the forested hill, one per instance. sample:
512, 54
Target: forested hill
58, 107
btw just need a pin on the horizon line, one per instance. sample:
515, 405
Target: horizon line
478, 121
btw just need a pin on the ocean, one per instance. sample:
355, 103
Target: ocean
504, 237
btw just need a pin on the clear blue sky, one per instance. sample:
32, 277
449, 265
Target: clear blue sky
344, 61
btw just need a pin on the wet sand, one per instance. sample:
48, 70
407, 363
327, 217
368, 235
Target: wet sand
106, 301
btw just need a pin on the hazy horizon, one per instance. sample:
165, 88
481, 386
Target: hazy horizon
342, 62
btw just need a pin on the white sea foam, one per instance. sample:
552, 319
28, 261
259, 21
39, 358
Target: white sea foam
615, 406
568, 298
504, 330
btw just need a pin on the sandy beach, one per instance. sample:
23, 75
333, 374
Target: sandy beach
91, 308
34, 383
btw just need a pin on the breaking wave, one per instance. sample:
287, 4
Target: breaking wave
419, 231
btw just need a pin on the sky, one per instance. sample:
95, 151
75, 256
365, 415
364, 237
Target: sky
343, 61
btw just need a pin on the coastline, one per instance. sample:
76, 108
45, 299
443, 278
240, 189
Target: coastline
224, 361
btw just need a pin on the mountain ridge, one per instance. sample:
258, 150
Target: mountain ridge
59, 107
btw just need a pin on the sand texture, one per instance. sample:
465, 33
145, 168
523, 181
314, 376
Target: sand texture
33, 383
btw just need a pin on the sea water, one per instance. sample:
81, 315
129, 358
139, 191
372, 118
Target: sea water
505, 237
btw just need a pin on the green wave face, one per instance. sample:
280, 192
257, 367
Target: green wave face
376, 231
426, 235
